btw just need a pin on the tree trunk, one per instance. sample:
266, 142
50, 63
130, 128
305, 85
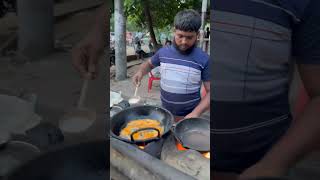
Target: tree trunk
203, 17
149, 23
120, 40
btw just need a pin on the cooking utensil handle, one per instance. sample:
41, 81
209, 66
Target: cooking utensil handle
173, 130
173, 127
136, 91
143, 129
83, 93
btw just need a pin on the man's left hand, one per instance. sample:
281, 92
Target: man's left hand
262, 170
191, 115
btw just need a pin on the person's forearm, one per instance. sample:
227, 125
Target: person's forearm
301, 138
203, 106
100, 28
145, 67
102, 21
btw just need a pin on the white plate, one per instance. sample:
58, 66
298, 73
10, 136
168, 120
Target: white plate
115, 98
17, 115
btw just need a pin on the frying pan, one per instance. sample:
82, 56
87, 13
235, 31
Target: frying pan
193, 133
121, 119
85, 161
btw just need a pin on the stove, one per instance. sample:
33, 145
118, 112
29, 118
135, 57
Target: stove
169, 151
137, 164
153, 148
191, 162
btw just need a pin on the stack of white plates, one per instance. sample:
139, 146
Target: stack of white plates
115, 98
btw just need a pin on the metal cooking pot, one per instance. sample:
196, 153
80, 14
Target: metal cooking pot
121, 119
193, 133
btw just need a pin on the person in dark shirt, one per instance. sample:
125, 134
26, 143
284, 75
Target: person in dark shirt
254, 45
139, 51
168, 43
151, 47
207, 35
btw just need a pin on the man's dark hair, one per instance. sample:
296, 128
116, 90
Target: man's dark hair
187, 20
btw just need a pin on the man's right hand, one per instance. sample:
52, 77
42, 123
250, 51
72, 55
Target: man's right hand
137, 78
85, 58
85, 54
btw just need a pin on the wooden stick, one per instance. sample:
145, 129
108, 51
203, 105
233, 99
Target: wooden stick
83, 94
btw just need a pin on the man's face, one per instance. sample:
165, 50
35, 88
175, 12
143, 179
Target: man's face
185, 40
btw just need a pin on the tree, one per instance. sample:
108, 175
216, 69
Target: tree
146, 8
120, 41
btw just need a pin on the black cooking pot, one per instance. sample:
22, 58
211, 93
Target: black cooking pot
121, 119
193, 133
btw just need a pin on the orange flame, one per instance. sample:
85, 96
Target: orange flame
180, 147
206, 155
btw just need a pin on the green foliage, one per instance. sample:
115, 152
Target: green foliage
162, 12
130, 25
